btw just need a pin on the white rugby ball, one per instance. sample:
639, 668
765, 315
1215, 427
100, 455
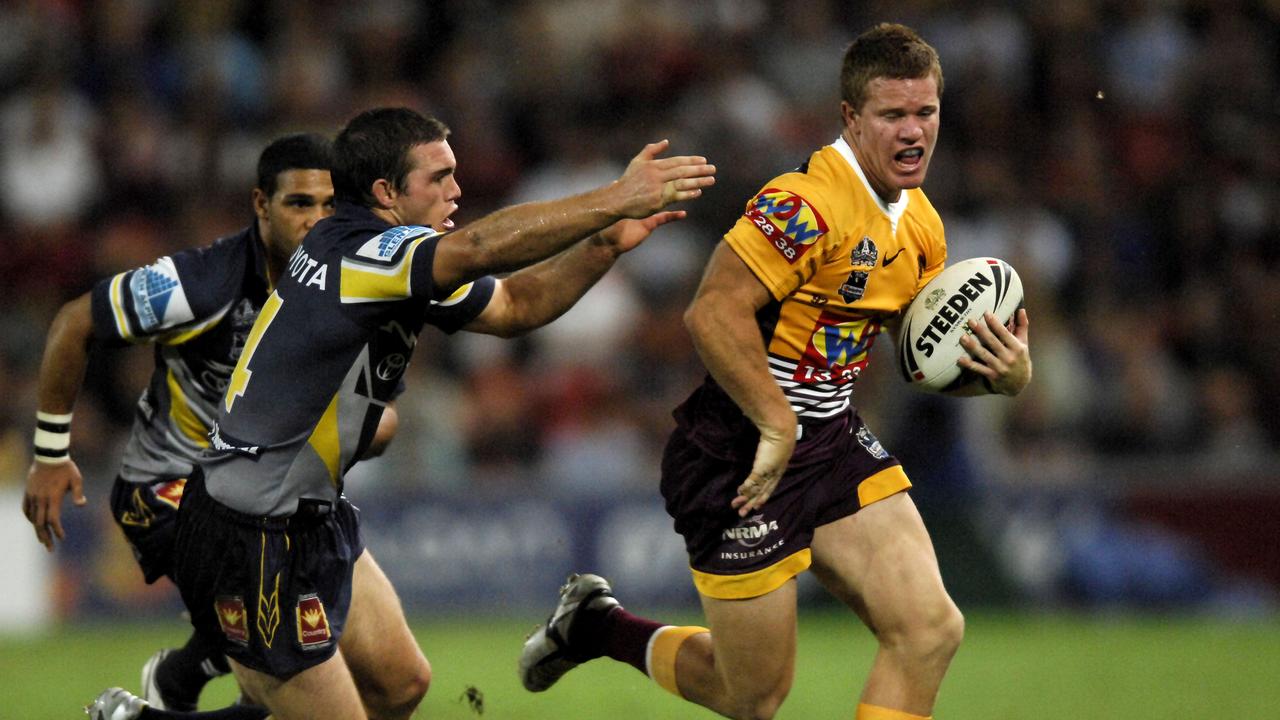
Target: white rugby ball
938, 317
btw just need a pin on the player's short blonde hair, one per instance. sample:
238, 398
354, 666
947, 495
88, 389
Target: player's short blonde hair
887, 50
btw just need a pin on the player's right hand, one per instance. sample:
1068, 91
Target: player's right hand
651, 183
772, 455
47, 484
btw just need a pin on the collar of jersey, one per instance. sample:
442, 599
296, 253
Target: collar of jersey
891, 210
258, 256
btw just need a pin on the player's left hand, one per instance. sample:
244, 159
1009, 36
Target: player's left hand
999, 354
47, 484
772, 455
626, 235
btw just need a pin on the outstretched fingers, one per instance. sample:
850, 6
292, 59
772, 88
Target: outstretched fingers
686, 188
662, 218
652, 150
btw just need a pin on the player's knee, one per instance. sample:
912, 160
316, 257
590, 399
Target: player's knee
758, 704
934, 636
398, 697
759, 708
414, 687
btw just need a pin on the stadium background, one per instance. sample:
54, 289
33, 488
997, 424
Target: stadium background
1124, 156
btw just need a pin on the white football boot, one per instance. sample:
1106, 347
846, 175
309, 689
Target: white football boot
115, 704
557, 647
150, 690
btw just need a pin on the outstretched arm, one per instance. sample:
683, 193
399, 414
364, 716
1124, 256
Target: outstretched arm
537, 295
722, 323
521, 235
66, 354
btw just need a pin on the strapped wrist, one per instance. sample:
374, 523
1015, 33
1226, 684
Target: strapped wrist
53, 437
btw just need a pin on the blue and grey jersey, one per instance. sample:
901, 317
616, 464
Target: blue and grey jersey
326, 354
197, 307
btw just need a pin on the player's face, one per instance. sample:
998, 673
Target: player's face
302, 198
894, 132
431, 190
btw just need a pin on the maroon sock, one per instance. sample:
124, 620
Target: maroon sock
626, 637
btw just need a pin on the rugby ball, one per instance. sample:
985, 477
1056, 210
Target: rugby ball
929, 343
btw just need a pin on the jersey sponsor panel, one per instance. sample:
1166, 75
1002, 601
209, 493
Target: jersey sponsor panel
789, 222
382, 268
384, 245
159, 300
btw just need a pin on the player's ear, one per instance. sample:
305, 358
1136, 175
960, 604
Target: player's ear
849, 116
384, 192
260, 202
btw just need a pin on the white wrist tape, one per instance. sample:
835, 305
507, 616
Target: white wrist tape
53, 437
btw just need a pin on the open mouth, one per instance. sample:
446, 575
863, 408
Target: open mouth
910, 158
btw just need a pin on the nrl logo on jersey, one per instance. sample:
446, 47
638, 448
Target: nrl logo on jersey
385, 245
865, 253
243, 315
787, 221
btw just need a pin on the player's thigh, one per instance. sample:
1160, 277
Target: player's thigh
378, 645
880, 562
325, 690
754, 641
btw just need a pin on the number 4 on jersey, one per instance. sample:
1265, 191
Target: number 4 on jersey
240, 376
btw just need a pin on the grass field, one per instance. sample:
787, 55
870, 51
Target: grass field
1042, 667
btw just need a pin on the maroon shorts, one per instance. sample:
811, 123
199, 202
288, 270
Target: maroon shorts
838, 467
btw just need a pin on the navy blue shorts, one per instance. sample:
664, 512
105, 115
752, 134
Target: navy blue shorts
273, 592
147, 513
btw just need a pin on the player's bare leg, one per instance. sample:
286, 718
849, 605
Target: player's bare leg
881, 563
745, 672
744, 668
325, 690
389, 669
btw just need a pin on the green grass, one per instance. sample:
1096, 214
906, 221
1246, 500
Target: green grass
1043, 667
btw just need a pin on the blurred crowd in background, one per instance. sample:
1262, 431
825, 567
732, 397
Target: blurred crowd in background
1123, 155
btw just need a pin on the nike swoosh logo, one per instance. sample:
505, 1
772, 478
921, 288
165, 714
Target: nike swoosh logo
890, 258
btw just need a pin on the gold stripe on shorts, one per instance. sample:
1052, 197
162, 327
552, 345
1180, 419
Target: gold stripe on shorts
752, 584
883, 484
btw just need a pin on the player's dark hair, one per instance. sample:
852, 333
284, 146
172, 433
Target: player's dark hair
890, 51
303, 151
375, 145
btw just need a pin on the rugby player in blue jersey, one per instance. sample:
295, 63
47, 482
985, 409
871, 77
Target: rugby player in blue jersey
196, 307
267, 545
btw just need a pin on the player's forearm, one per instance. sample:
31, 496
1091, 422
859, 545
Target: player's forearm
732, 349
66, 354
519, 236
544, 292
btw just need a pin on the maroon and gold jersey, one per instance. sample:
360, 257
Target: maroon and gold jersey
839, 262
